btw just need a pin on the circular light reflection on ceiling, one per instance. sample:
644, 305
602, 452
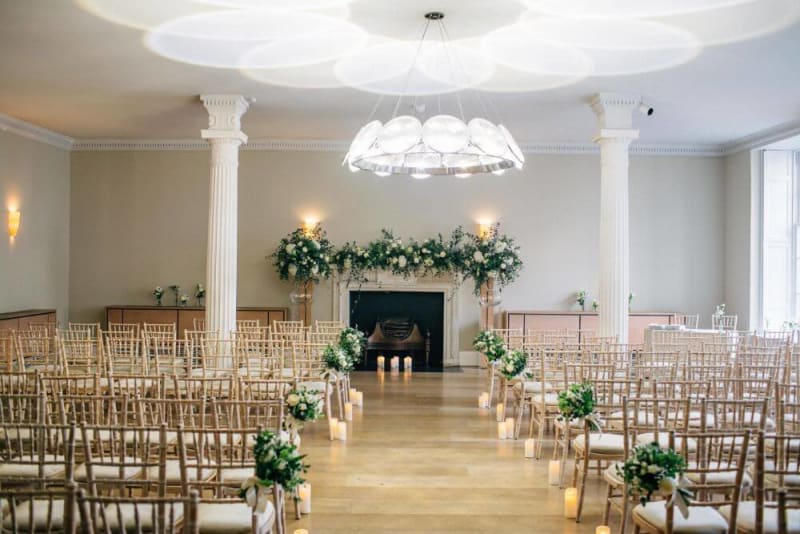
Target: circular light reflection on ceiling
738, 23
141, 14
387, 68
205, 52
508, 80
251, 25
304, 50
283, 5
626, 9
403, 19
519, 48
316, 76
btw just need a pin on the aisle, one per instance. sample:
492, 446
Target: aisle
424, 458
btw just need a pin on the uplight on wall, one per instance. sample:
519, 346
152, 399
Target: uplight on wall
309, 225
13, 222
484, 229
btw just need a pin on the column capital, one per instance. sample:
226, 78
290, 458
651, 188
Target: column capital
614, 110
224, 116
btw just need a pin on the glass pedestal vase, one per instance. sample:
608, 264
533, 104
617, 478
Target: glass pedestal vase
300, 300
488, 298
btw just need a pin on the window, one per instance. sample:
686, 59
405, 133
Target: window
780, 247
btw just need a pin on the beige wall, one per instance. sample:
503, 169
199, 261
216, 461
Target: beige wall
34, 268
139, 219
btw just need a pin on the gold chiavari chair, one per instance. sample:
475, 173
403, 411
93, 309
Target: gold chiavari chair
211, 460
125, 355
198, 324
35, 454
154, 515
10, 361
309, 372
124, 329
256, 357
166, 356
167, 330
265, 414
49, 510
79, 355
724, 322
549, 372
716, 468
247, 324
36, 350
258, 389
776, 470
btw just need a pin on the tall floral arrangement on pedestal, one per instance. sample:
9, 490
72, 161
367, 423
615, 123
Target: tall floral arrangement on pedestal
353, 342
304, 256
493, 257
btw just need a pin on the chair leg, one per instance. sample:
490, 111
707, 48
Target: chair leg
581, 491
623, 522
607, 507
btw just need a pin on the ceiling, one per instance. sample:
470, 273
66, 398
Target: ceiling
82, 75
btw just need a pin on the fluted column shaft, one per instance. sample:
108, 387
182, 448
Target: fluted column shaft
614, 268
224, 134
221, 258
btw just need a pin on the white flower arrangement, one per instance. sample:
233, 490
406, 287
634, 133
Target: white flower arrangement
652, 469
304, 405
304, 256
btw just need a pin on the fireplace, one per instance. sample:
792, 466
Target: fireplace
401, 323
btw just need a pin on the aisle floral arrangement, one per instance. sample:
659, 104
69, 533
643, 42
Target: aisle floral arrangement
495, 257
651, 470
512, 364
492, 258
489, 344
337, 360
304, 405
353, 342
278, 462
578, 402
304, 256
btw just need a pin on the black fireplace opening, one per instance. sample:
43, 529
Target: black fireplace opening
397, 314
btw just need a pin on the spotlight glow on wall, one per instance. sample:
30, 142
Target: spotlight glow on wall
13, 222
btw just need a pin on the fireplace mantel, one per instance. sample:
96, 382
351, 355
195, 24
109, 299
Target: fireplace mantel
386, 281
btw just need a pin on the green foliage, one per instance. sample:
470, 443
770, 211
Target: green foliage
304, 257
337, 359
305, 405
353, 342
278, 461
512, 363
577, 402
651, 469
489, 344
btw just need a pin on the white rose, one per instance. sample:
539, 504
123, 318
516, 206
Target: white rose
394, 260
305, 249
292, 269
402, 262
303, 407
314, 244
348, 263
653, 469
290, 248
477, 256
292, 400
442, 254
500, 247
315, 269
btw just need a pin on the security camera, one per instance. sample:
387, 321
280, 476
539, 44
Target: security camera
644, 109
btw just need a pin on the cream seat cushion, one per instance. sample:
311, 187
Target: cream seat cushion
663, 440
611, 476
173, 472
728, 476
43, 513
550, 399
54, 468
173, 515
313, 385
702, 519
605, 443
531, 386
232, 518
746, 518
109, 471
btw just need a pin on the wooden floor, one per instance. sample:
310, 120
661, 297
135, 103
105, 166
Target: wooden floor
421, 457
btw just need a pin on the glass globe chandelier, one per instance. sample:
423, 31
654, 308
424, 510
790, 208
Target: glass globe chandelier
441, 145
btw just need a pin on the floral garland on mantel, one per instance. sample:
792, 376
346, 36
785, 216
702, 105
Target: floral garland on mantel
309, 258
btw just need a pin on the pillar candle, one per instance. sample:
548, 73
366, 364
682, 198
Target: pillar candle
333, 425
501, 430
571, 503
301, 531
483, 400
351, 393
357, 398
510, 428
394, 363
348, 411
602, 529
381, 363
530, 448
408, 364
554, 472
304, 494
501, 411
341, 432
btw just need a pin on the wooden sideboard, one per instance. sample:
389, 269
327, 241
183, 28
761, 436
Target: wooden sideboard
19, 320
582, 320
184, 317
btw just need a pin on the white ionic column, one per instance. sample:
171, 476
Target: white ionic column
614, 113
224, 134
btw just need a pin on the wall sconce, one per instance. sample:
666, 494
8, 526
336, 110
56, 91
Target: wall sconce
13, 223
484, 229
308, 227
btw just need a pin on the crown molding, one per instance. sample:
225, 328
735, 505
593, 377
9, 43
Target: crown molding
764, 137
36, 133
321, 145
